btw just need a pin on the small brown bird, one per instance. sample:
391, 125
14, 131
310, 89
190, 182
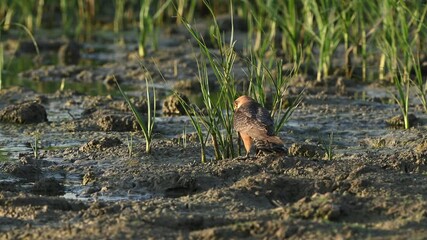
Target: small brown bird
255, 126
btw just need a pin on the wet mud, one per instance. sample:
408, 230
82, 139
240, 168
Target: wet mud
73, 165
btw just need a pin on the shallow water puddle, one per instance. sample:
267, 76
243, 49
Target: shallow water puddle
11, 145
13, 142
75, 190
104, 198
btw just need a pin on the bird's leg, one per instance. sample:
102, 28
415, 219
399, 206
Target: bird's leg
247, 156
250, 157
247, 141
260, 153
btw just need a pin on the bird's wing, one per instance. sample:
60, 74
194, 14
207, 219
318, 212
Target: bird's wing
263, 116
254, 121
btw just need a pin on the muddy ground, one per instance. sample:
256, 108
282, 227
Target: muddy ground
84, 183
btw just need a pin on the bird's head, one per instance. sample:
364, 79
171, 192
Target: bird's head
241, 100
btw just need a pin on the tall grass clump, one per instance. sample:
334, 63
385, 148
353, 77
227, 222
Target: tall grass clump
146, 24
86, 15
326, 31
23, 11
269, 19
66, 8
293, 38
218, 121
118, 15
402, 97
262, 25
400, 33
197, 119
147, 126
281, 84
412, 35
365, 23
185, 8
388, 40
420, 85
278, 84
39, 15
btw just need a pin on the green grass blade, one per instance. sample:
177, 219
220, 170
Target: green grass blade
136, 113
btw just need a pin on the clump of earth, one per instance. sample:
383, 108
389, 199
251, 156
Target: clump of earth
74, 165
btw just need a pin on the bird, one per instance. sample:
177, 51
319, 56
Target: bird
255, 126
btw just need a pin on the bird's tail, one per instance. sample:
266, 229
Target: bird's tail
275, 140
270, 145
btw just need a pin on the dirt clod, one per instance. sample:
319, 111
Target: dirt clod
172, 105
26, 171
398, 121
27, 112
48, 187
306, 150
101, 144
116, 123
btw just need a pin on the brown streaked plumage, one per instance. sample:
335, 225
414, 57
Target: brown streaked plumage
255, 126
